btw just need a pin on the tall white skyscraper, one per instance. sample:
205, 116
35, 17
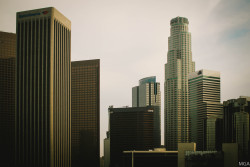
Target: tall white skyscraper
179, 65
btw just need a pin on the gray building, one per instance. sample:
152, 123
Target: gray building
43, 89
176, 97
205, 108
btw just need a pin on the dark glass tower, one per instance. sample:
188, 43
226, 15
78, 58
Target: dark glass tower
131, 129
86, 113
43, 89
7, 98
236, 127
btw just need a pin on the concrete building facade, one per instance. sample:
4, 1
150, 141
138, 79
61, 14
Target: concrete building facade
43, 89
176, 97
204, 108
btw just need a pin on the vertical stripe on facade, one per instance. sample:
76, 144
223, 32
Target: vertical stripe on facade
33, 124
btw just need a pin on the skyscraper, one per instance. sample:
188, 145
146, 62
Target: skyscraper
86, 113
148, 94
179, 65
204, 107
43, 89
7, 98
131, 128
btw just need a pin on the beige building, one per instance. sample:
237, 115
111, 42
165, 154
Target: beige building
179, 65
43, 89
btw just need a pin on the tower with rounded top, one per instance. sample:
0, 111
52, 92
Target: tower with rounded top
179, 65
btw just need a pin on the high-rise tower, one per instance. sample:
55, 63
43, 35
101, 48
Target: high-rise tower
179, 65
204, 108
43, 89
7, 98
86, 113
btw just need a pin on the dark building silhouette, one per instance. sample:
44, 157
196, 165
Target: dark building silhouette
236, 124
43, 89
131, 129
204, 158
7, 98
151, 158
86, 113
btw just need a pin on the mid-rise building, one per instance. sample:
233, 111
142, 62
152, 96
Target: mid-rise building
236, 124
205, 108
131, 129
176, 95
43, 89
85, 113
7, 98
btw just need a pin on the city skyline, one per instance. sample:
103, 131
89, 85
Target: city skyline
128, 37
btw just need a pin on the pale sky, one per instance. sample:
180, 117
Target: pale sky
130, 37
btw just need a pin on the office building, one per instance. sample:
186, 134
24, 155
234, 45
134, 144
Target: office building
176, 96
43, 89
241, 126
236, 124
204, 108
131, 129
7, 100
86, 113
148, 94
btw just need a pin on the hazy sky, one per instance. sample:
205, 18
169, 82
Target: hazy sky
130, 37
